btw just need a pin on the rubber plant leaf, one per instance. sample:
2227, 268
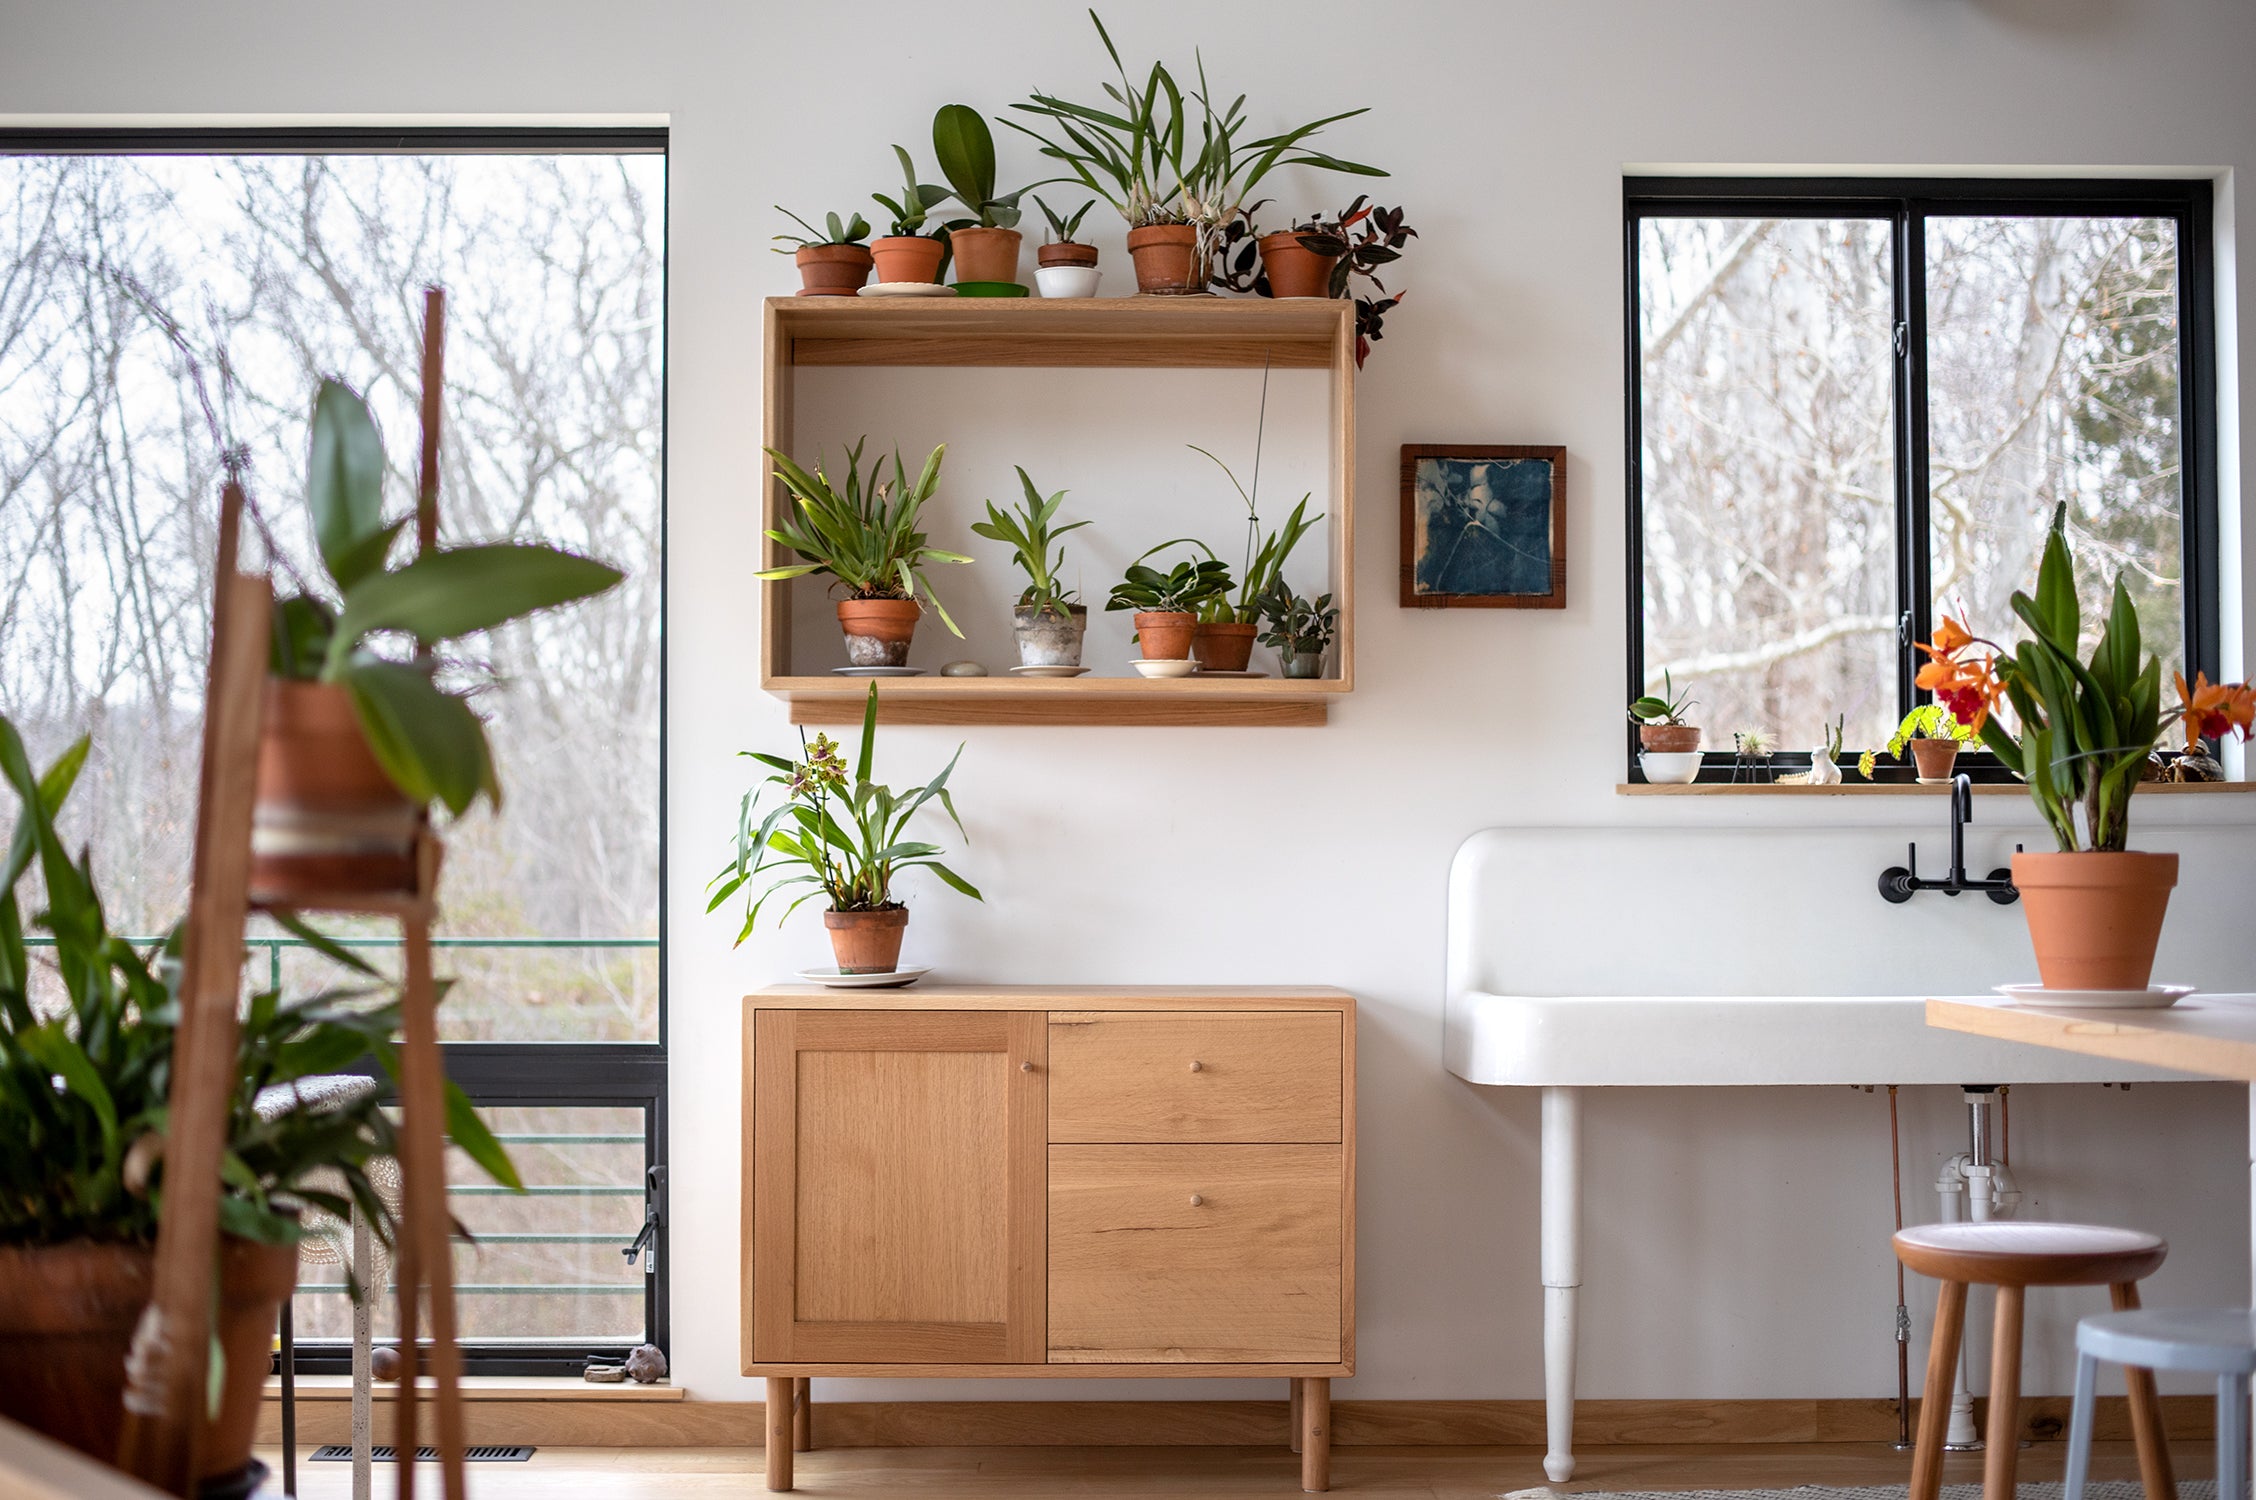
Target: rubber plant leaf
344, 481
462, 590
469, 1132
966, 149
428, 742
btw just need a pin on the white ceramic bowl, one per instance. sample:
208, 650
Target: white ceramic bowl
1670, 768
1151, 668
1067, 281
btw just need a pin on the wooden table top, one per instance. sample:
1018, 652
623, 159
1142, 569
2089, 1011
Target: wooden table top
2213, 1036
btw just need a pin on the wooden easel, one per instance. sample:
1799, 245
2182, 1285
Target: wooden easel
166, 1370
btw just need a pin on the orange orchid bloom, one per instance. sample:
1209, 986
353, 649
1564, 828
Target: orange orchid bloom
1969, 687
1952, 638
2213, 709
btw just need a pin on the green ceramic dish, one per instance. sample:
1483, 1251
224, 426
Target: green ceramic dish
990, 289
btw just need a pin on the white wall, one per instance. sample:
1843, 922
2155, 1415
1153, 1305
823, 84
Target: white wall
1181, 855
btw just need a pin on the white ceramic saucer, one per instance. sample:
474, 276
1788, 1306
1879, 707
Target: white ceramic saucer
1047, 671
1182, 667
906, 289
890, 980
879, 671
2153, 997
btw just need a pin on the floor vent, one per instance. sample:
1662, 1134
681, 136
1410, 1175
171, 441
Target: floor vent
385, 1453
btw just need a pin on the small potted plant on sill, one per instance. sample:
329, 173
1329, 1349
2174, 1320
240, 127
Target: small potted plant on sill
986, 244
1047, 621
1933, 735
2087, 728
1300, 629
1166, 604
866, 538
907, 254
1668, 748
833, 261
1067, 268
847, 841
354, 741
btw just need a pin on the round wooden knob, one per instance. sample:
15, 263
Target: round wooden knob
1196, 1200
1196, 1065
1025, 1067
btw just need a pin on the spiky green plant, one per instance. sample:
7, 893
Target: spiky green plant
1030, 535
866, 535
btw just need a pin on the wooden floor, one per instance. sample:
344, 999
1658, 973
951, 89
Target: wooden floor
1120, 1473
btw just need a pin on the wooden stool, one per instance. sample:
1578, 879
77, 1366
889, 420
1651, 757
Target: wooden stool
2012, 1257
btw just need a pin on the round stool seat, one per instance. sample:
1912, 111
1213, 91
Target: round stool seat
2010, 1253
2210, 1340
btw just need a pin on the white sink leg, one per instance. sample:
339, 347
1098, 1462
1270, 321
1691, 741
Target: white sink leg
1562, 1272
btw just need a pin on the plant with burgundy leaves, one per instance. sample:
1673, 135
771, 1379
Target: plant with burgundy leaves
1364, 237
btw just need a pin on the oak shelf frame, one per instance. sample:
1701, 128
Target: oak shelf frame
1155, 333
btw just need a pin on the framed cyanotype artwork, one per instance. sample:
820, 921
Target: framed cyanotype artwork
1484, 527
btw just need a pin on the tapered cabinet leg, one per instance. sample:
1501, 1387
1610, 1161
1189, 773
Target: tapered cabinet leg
2146, 1413
1316, 1435
803, 1414
1295, 1423
781, 1392
1935, 1400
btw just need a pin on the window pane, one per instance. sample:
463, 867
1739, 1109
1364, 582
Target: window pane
1768, 472
547, 1267
2052, 373
158, 310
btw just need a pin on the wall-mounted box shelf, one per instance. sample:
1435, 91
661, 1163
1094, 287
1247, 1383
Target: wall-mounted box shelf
1129, 333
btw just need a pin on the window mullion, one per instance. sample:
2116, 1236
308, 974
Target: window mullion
1915, 572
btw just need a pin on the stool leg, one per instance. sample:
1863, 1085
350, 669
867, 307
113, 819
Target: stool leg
2080, 1427
2232, 1436
1934, 1403
779, 1404
2003, 1440
2146, 1413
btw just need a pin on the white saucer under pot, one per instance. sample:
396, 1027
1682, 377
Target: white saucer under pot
2153, 997
1164, 666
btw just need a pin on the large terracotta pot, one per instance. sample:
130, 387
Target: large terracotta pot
1668, 739
1224, 647
1165, 635
878, 630
328, 819
908, 257
1934, 758
2094, 918
1294, 269
985, 254
832, 270
867, 942
66, 1321
1166, 256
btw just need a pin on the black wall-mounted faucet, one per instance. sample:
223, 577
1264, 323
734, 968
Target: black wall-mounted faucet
1899, 883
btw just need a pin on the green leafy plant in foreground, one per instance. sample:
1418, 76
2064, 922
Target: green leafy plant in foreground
1030, 535
845, 838
865, 535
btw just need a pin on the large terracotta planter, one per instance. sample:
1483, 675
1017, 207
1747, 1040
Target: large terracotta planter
1934, 758
2094, 918
1294, 269
985, 254
1668, 739
1165, 635
832, 270
67, 1314
1166, 258
878, 630
867, 942
1224, 647
328, 819
908, 257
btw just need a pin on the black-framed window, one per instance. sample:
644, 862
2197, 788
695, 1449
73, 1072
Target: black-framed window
1853, 404
168, 295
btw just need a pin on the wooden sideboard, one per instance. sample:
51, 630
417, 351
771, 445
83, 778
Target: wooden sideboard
1068, 1181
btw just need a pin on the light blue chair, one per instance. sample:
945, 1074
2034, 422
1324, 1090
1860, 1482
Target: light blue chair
2211, 1341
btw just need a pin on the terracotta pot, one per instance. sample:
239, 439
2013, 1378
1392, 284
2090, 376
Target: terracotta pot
2094, 918
66, 1321
986, 254
1165, 256
908, 257
832, 270
1066, 253
867, 942
1934, 758
1224, 647
1668, 739
1294, 269
878, 630
1165, 635
328, 819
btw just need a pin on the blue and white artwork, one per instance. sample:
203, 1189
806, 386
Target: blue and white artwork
1483, 530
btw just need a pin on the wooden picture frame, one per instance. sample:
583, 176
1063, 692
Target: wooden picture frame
1521, 560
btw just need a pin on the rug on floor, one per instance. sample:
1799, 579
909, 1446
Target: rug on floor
2122, 1489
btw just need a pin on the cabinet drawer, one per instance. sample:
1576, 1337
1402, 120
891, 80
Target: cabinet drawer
1195, 1254
1121, 1077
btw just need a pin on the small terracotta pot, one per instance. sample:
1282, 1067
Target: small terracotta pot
1224, 647
1166, 256
867, 942
67, 1314
328, 820
2094, 919
832, 270
1294, 269
908, 257
986, 254
1066, 253
878, 631
1165, 634
1934, 758
1668, 739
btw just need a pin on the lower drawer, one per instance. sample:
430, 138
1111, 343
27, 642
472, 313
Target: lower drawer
1195, 1254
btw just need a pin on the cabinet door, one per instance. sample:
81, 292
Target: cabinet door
898, 1213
